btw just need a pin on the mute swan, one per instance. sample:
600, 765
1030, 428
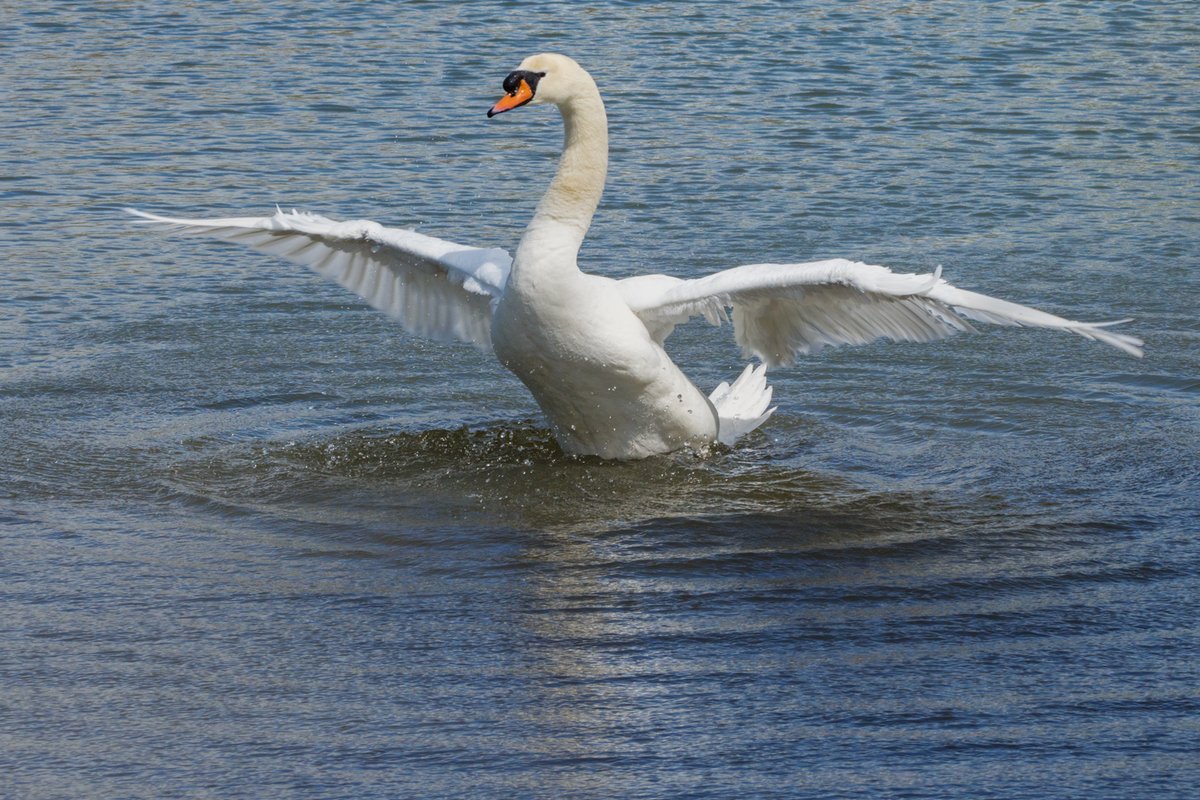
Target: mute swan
590, 348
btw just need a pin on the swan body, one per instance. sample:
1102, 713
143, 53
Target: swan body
591, 349
606, 387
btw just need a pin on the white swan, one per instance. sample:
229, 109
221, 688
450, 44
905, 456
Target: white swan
590, 348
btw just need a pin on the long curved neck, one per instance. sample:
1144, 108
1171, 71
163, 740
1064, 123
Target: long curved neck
565, 213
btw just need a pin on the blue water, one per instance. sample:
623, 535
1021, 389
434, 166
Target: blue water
255, 541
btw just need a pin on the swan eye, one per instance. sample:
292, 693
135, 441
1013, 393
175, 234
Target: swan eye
513, 81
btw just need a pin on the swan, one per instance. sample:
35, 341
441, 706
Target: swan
590, 348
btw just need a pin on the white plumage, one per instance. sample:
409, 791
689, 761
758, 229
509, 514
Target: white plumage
784, 310
432, 287
591, 348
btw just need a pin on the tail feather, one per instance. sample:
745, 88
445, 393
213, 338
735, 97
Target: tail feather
742, 407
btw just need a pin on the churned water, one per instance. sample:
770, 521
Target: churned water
259, 542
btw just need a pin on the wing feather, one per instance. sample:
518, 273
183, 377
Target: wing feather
432, 287
781, 311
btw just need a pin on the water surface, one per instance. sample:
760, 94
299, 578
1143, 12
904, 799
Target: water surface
257, 540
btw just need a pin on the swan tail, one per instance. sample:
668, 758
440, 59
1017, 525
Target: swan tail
742, 407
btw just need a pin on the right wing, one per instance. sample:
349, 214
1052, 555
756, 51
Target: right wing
781, 311
432, 287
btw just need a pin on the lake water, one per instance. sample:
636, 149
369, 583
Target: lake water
256, 541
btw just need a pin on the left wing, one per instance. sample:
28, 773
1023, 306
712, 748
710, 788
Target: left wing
432, 287
781, 311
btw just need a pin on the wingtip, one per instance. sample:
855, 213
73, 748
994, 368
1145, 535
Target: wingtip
1122, 341
1134, 346
146, 218
1131, 345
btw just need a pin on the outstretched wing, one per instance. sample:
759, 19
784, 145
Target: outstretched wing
432, 287
781, 311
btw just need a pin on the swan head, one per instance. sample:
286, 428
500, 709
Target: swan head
544, 78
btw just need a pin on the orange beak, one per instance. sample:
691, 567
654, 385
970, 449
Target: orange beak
520, 97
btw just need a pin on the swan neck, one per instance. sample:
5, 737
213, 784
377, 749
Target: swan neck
565, 212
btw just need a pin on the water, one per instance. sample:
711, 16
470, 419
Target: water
256, 541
